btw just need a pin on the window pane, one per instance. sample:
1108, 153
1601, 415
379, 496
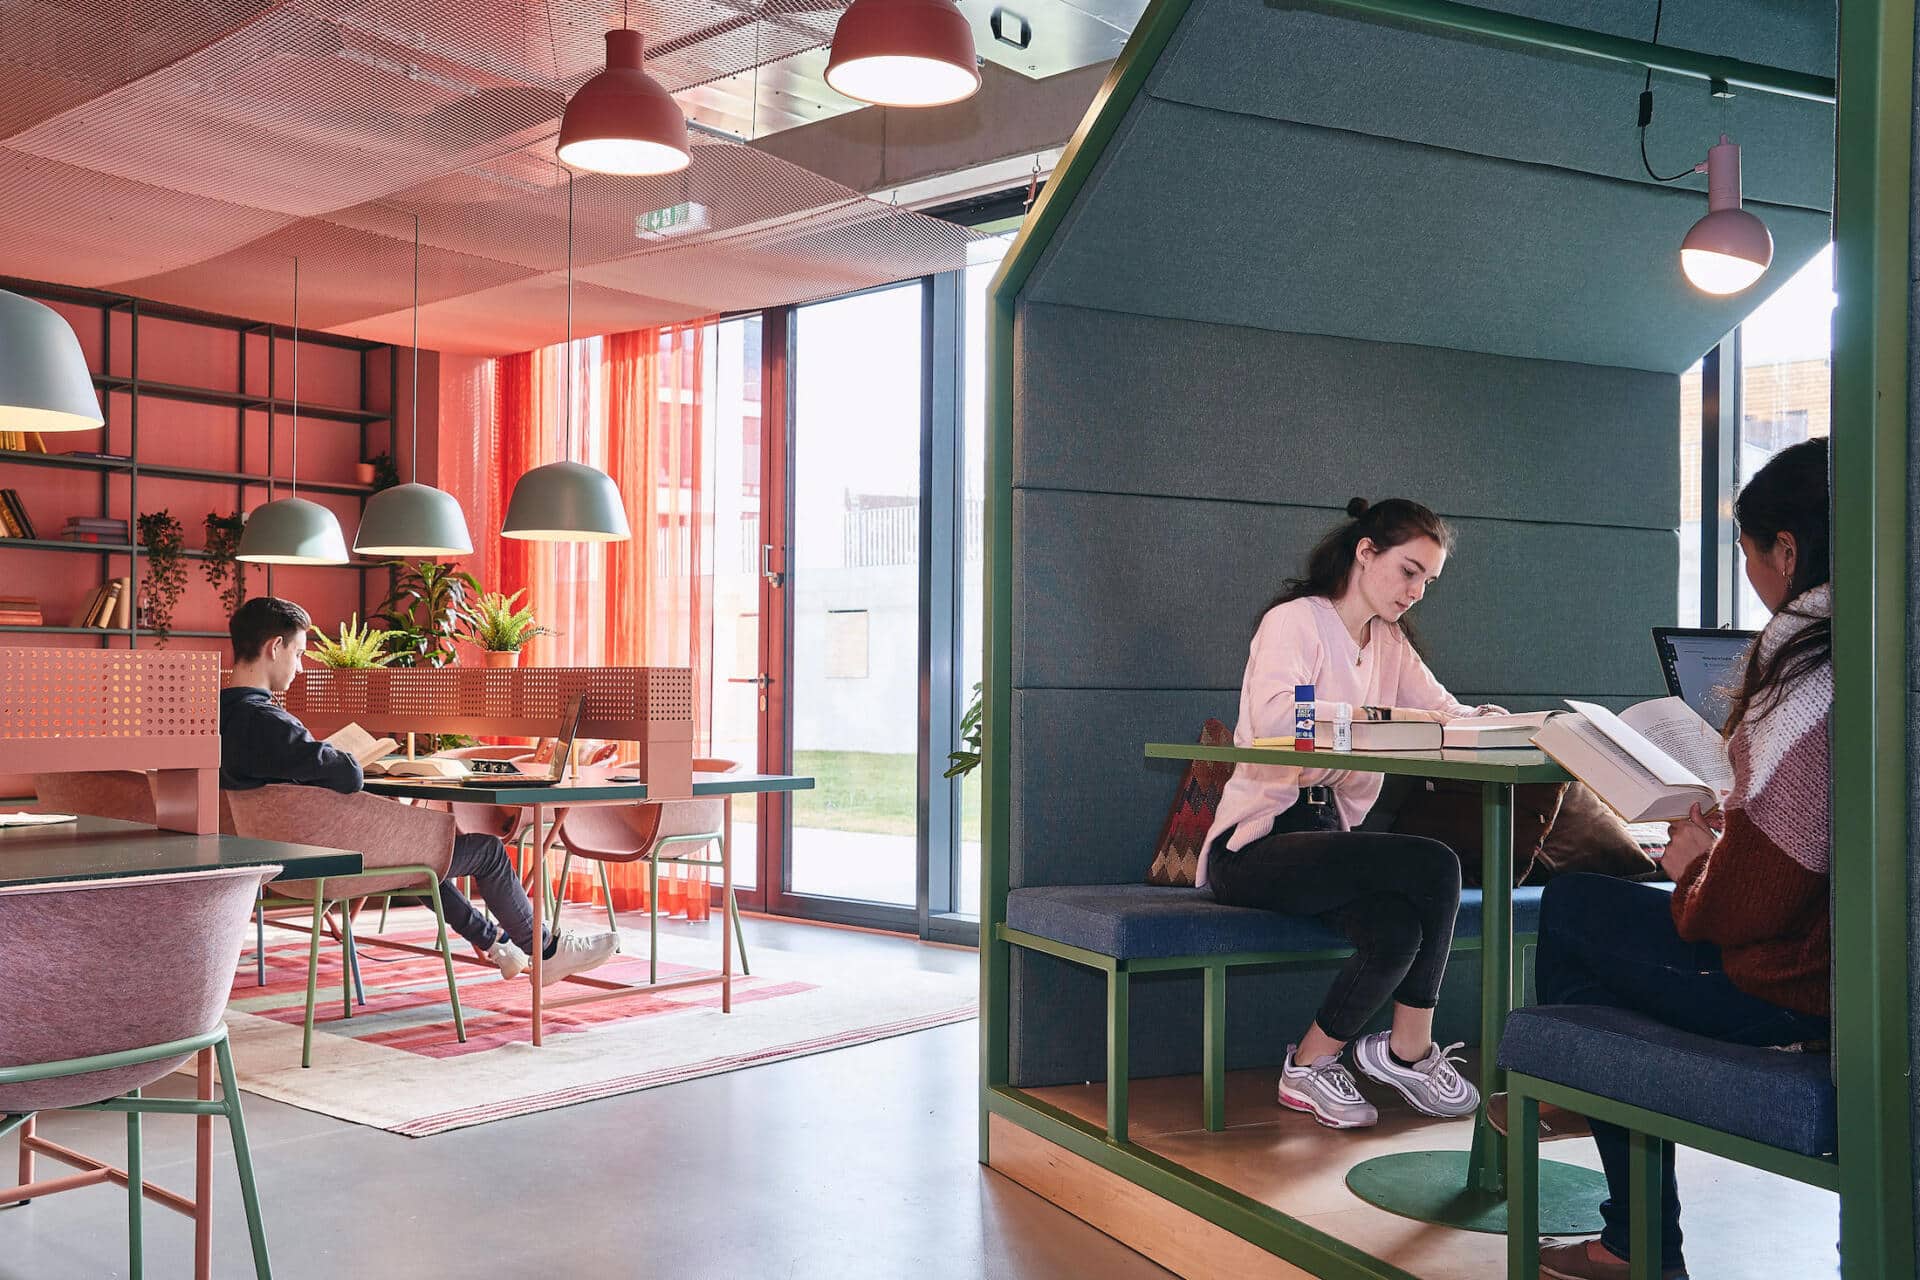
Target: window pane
1785, 385
1690, 444
733, 462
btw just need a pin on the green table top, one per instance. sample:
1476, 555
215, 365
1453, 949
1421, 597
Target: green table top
1522, 764
104, 849
580, 791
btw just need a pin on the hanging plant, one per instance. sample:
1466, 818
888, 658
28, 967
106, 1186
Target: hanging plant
166, 575
225, 574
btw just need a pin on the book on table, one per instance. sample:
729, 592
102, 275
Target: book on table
360, 744
429, 767
1650, 763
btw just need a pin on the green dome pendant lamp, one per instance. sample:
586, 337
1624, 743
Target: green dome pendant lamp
566, 501
414, 519
44, 383
291, 530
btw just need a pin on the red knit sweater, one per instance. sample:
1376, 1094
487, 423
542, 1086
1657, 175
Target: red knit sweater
1761, 892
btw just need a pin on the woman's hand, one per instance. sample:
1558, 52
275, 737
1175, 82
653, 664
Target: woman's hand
1489, 709
1688, 841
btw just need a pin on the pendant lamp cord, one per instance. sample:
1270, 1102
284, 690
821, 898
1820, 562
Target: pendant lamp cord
413, 449
566, 430
293, 483
1646, 107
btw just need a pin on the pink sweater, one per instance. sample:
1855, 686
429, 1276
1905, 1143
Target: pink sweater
1304, 642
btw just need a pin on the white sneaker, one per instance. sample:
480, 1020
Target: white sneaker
1432, 1086
576, 953
509, 957
1323, 1089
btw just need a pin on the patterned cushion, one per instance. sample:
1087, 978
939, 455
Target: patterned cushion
1176, 859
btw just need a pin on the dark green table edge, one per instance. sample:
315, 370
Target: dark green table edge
55, 843
704, 786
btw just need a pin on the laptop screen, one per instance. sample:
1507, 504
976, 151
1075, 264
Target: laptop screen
563, 750
1703, 666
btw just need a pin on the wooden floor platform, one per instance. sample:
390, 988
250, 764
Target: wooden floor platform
1739, 1222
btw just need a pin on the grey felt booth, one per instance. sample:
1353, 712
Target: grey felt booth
1324, 258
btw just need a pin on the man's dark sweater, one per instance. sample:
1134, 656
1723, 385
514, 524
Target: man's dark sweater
262, 743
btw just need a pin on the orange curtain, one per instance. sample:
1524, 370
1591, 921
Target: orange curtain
638, 413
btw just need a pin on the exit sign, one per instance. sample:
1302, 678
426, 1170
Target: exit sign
677, 219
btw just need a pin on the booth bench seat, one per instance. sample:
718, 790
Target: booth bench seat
1124, 929
1766, 1108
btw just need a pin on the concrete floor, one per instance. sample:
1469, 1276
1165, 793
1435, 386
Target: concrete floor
856, 1163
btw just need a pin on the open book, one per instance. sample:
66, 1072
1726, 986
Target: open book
423, 767
1650, 763
361, 745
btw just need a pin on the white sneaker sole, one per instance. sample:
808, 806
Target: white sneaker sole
1297, 1102
1381, 1073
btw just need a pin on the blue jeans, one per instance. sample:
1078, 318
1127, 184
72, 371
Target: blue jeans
484, 858
1612, 942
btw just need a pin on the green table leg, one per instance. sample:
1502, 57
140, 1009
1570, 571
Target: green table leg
1213, 1067
1467, 1189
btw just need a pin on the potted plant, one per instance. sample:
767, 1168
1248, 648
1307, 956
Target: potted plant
166, 575
500, 630
430, 604
225, 574
358, 648
967, 759
380, 471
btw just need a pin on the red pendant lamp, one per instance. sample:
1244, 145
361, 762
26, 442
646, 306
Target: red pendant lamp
623, 121
904, 53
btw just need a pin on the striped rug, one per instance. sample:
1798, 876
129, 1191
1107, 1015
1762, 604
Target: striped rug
396, 1065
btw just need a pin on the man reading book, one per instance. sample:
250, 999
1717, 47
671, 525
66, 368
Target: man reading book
262, 742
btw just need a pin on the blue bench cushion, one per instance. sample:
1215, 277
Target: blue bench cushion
1782, 1099
1143, 921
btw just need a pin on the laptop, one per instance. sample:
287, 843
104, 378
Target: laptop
505, 773
1703, 667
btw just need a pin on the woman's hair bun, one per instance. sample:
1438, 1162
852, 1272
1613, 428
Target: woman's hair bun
1357, 508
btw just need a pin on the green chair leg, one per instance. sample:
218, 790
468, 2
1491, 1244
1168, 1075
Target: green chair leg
136, 1196
260, 939
347, 965
446, 958
739, 934
1117, 991
1645, 1154
560, 889
606, 891
1523, 1187
653, 920
243, 1159
1214, 1051
313, 969
385, 903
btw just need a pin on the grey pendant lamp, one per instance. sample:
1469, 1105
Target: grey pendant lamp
413, 519
44, 383
291, 530
566, 501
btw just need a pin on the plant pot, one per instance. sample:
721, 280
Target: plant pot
502, 657
363, 473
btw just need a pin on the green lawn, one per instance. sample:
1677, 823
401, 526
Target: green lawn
868, 791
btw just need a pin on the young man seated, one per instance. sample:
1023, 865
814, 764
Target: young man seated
262, 743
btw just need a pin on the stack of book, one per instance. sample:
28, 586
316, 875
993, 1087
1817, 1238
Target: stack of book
13, 516
95, 529
109, 606
20, 611
22, 441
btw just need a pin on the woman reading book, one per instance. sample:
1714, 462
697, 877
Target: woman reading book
1739, 950
1283, 841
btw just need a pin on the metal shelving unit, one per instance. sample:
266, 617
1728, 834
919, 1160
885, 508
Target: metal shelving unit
133, 388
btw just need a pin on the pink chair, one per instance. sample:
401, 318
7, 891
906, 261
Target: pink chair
89, 1026
405, 850
633, 832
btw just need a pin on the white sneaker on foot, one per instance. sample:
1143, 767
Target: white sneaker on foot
576, 953
1323, 1089
1432, 1086
511, 960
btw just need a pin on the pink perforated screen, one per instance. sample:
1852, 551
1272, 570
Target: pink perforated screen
78, 710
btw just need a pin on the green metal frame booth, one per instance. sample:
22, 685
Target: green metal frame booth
1873, 708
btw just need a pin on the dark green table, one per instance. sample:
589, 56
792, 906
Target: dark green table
105, 849
1457, 1189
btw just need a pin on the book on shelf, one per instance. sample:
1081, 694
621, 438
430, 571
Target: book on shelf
1650, 763
95, 455
22, 441
21, 617
97, 524
123, 605
89, 607
18, 525
109, 605
94, 535
360, 744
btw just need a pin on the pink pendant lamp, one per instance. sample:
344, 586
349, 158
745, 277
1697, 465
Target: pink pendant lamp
622, 121
904, 53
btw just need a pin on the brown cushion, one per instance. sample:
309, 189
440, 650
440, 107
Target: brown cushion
1176, 859
1588, 836
1448, 810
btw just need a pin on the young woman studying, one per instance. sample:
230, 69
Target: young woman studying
1739, 950
1283, 840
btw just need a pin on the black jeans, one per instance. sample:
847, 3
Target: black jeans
484, 858
1612, 942
1395, 897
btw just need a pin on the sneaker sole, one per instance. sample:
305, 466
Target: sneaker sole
1380, 1075
1294, 1102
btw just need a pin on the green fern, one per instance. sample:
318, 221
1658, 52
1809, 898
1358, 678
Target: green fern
359, 648
498, 627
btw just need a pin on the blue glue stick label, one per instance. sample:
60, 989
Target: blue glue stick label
1303, 717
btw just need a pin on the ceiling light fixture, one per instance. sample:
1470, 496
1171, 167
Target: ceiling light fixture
1729, 249
291, 530
623, 121
566, 501
904, 53
413, 519
44, 382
